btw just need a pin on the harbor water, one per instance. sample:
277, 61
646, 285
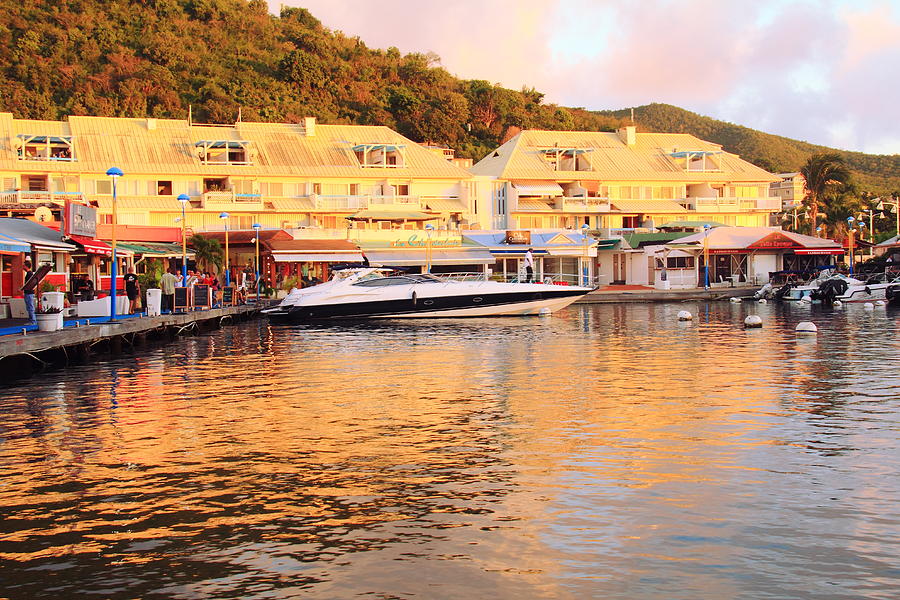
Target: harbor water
608, 451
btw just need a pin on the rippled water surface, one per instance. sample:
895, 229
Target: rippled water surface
607, 452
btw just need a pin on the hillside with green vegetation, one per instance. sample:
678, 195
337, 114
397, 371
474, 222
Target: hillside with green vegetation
231, 58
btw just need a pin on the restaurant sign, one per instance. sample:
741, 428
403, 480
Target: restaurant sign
419, 240
518, 237
80, 219
773, 241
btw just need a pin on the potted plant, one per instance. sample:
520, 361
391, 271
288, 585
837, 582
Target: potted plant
49, 318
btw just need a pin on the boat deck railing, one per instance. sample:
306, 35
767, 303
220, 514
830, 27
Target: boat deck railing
547, 278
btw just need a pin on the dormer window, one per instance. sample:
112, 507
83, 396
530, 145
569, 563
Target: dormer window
380, 156
568, 159
697, 161
44, 147
224, 152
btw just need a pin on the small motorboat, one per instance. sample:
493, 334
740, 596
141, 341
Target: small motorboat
377, 293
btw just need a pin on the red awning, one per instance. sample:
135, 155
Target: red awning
805, 251
92, 246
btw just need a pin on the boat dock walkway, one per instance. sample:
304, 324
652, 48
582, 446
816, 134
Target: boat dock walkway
642, 293
21, 354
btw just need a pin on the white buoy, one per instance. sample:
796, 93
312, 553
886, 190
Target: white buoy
837, 304
684, 316
753, 321
735, 299
880, 303
763, 301
868, 306
806, 327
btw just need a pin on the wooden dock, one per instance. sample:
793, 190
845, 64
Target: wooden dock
22, 355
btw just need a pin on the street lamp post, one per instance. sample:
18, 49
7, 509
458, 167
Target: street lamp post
225, 216
257, 227
706, 256
850, 221
428, 229
184, 199
115, 173
585, 265
895, 208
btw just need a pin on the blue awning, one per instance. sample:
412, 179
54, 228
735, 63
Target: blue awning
11, 244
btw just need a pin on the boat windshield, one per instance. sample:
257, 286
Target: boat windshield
386, 281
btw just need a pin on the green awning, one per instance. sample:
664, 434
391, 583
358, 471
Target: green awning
391, 215
158, 249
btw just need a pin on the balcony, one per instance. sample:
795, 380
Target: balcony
354, 203
583, 205
731, 204
230, 200
25, 197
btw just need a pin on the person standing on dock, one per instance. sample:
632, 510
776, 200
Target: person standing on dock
529, 266
28, 291
167, 285
132, 289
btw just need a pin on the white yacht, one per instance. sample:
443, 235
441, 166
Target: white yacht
371, 292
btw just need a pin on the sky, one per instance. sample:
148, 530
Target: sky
823, 71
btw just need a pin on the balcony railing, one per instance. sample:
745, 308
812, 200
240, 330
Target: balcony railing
581, 204
731, 204
24, 197
363, 202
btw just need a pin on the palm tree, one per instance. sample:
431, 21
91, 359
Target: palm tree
822, 173
207, 251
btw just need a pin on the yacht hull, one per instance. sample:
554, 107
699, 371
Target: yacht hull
467, 305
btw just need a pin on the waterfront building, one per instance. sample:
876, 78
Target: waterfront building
622, 180
306, 178
737, 255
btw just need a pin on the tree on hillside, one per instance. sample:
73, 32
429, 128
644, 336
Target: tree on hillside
207, 251
823, 173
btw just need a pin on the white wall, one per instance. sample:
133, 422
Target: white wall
761, 265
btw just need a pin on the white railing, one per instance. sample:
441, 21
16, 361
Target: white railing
20, 197
402, 200
582, 204
340, 202
731, 203
218, 197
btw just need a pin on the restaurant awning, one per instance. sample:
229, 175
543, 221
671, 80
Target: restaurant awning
153, 249
391, 215
439, 256
10, 244
39, 236
326, 257
538, 188
829, 251
92, 246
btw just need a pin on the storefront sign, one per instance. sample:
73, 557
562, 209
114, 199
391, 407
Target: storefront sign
773, 240
518, 237
80, 219
417, 240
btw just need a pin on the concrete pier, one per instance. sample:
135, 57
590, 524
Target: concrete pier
615, 293
22, 355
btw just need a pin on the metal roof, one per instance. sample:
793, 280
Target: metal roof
152, 146
33, 233
648, 159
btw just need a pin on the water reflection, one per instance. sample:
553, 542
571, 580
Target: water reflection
609, 451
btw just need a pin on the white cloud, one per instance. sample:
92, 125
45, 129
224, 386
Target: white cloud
790, 67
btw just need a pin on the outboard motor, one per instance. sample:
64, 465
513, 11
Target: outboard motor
829, 290
781, 292
763, 292
893, 294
